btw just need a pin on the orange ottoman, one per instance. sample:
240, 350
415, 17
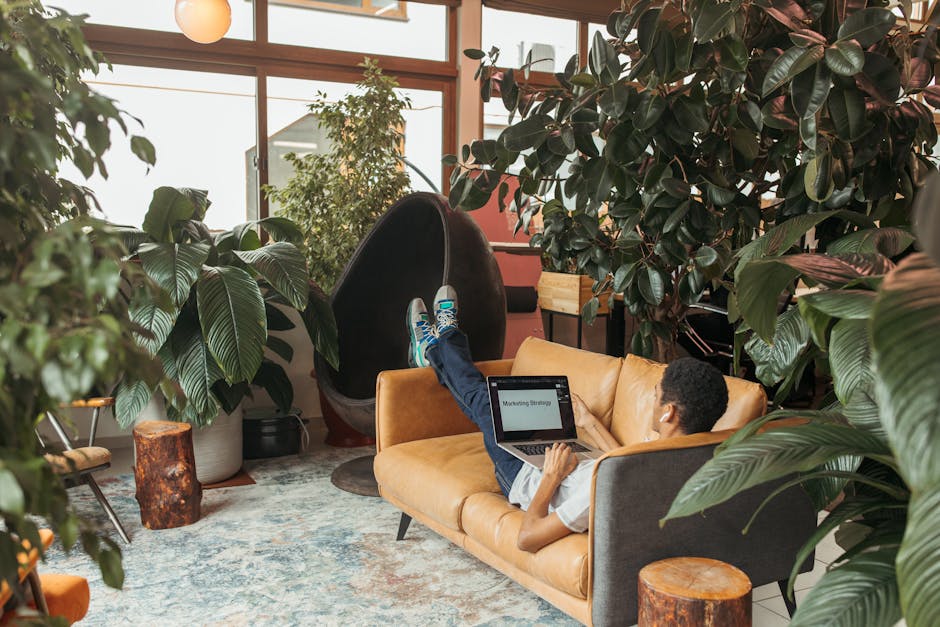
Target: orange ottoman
66, 595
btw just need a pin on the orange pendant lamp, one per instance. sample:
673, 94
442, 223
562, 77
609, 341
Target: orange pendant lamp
203, 21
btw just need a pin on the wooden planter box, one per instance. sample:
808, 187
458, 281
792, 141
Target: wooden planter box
567, 293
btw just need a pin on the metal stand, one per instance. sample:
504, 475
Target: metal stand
356, 476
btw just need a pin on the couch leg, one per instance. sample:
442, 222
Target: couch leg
791, 605
403, 525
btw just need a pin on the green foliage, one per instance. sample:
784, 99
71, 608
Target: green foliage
209, 325
336, 197
874, 327
64, 325
49, 115
697, 125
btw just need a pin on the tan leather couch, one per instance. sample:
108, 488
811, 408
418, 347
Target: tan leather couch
432, 465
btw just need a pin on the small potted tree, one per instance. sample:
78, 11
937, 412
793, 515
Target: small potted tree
336, 197
211, 327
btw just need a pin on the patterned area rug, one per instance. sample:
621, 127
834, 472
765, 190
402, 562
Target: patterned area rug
293, 550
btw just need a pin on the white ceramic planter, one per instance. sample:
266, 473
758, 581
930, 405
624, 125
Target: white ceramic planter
218, 447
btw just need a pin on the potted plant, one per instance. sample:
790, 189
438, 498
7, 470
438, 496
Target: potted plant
695, 127
870, 456
64, 329
336, 197
211, 326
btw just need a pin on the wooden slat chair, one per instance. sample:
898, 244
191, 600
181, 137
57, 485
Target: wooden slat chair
78, 464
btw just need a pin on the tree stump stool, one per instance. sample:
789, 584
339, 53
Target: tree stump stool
165, 473
693, 591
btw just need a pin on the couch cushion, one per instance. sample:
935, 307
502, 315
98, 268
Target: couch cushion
636, 395
436, 475
591, 376
494, 523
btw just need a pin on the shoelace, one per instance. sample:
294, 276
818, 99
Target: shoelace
425, 329
446, 317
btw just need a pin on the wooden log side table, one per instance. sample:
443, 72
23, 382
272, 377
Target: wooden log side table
693, 592
165, 473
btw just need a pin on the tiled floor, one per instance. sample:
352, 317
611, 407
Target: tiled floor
769, 609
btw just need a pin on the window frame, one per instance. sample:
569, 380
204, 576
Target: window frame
399, 13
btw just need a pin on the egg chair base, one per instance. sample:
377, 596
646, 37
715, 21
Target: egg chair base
356, 476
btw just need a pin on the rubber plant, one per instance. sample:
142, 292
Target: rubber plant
64, 330
871, 456
337, 196
694, 127
210, 327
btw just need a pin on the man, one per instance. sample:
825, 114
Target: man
557, 499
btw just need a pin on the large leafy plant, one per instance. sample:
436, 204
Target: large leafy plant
63, 329
219, 301
696, 125
871, 455
337, 196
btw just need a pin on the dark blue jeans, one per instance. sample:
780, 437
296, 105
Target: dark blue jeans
454, 366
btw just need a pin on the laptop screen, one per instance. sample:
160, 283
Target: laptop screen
531, 408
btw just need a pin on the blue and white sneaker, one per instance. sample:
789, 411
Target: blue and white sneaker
445, 309
422, 333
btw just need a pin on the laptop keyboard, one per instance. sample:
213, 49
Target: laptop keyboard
539, 449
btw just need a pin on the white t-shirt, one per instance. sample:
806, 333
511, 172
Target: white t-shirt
572, 499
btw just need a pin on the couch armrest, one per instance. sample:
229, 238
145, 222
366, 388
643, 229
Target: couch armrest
411, 405
634, 487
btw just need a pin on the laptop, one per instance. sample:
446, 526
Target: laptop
532, 413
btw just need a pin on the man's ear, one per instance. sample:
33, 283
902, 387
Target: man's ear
670, 414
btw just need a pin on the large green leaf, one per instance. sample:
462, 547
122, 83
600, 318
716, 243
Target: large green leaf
152, 318
850, 304
321, 326
174, 267
283, 266
603, 60
845, 58
824, 488
168, 206
275, 382
130, 398
918, 560
774, 361
847, 110
713, 19
196, 368
528, 133
887, 241
867, 26
282, 230
927, 218
862, 413
809, 90
863, 591
789, 64
850, 358
231, 312
759, 285
906, 347
781, 237
767, 456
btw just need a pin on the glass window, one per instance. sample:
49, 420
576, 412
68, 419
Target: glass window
291, 128
201, 126
551, 40
418, 33
380, 8
153, 15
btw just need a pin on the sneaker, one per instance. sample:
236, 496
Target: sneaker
422, 333
445, 309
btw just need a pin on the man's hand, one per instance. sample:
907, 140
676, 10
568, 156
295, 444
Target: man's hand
559, 462
582, 415
588, 423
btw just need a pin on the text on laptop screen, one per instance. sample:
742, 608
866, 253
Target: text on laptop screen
529, 410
